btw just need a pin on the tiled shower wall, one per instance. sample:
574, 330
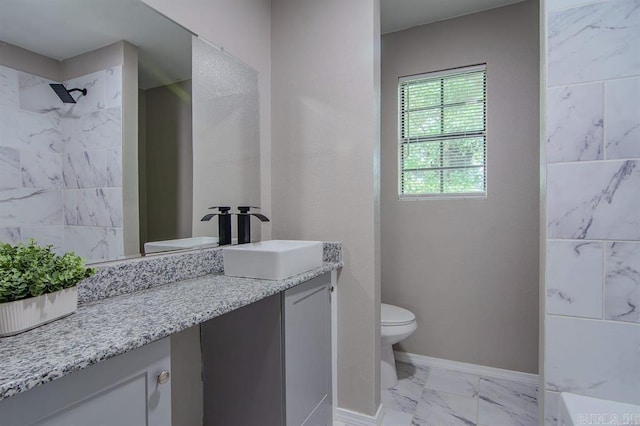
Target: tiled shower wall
592, 323
60, 164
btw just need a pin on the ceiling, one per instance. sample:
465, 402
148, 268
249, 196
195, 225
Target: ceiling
396, 15
62, 29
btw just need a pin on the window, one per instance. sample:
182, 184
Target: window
442, 134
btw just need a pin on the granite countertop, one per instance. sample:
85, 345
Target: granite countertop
114, 325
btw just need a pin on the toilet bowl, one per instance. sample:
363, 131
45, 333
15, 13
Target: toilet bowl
396, 324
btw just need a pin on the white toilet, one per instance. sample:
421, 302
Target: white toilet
396, 324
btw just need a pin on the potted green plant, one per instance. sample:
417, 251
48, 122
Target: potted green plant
37, 286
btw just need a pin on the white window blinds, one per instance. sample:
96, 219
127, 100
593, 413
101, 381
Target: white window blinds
442, 134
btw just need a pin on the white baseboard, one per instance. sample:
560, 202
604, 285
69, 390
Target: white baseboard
478, 370
351, 418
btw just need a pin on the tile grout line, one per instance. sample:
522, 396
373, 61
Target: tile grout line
415, 410
476, 378
424, 389
477, 400
603, 289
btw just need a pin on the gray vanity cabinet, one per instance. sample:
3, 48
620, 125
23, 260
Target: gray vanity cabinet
269, 363
307, 341
122, 391
242, 366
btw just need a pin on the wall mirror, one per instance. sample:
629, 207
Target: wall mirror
168, 126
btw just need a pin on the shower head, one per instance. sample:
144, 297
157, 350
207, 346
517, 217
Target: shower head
64, 94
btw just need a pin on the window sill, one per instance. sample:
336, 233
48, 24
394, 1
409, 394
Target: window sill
425, 197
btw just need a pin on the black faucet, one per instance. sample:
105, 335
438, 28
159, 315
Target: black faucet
224, 224
244, 223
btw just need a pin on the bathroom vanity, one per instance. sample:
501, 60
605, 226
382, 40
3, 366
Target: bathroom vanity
129, 389
111, 360
270, 362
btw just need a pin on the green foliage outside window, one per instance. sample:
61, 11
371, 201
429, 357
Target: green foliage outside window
442, 134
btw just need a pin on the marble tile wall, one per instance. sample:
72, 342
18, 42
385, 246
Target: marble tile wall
61, 164
592, 321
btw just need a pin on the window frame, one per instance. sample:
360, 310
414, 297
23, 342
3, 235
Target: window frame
441, 195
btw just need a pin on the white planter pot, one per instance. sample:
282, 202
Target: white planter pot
25, 314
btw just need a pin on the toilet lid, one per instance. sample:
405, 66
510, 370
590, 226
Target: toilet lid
395, 315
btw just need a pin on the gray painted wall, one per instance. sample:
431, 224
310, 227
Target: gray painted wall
325, 97
130, 194
186, 378
226, 135
142, 166
468, 268
25, 60
95, 60
243, 29
168, 162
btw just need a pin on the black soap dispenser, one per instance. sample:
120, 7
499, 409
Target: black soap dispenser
224, 224
244, 223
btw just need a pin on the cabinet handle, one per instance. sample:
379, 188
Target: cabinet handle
163, 377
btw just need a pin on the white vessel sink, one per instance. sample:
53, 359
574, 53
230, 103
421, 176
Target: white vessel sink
180, 244
273, 259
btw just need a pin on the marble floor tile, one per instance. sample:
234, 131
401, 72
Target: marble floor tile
409, 371
453, 382
443, 409
505, 402
450, 397
396, 418
405, 395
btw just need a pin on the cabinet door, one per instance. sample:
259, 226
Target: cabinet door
120, 391
307, 336
242, 373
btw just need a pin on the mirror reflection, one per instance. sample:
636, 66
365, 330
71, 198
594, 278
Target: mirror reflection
128, 145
